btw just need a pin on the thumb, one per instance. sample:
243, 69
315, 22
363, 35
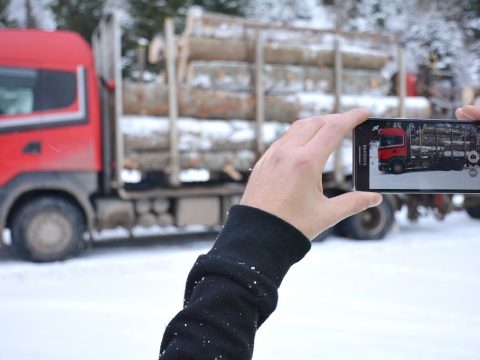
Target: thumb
352, 203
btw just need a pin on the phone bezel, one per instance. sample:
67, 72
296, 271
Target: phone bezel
361, 174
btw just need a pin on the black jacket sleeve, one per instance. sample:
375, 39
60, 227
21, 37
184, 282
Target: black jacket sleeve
232, 289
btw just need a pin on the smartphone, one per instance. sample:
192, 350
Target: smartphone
415, 155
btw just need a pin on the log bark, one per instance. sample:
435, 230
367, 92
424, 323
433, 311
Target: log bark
283, 79
147, 220
206, 104
165, 220
214, 161
210, 48
143, 206
160, 206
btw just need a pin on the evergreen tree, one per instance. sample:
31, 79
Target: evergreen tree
81, 16
231, 7
148, 15
4, 19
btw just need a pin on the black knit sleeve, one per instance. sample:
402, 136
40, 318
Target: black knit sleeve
232, 290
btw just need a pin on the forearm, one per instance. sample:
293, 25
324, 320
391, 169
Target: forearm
232, 290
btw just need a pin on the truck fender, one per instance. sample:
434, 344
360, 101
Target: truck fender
71, 184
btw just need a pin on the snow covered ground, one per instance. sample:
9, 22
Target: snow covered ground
415, 295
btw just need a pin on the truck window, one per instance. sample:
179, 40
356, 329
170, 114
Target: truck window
391, 140
24, 91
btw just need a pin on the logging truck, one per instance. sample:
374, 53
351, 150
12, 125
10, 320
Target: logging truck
71, 127
426, 147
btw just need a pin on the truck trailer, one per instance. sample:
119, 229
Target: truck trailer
426, 146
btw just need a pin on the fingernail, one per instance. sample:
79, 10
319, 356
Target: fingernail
376, 200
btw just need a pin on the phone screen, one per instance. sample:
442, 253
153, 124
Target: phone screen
411, 155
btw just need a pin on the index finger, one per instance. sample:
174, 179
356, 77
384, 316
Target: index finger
327, 139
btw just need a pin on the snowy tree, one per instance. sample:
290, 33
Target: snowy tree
443, 39
284, 11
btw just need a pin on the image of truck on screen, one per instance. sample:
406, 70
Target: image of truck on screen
427, 146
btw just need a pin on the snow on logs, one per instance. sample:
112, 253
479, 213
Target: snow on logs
219, 146
211, 144
283, 79
151, 99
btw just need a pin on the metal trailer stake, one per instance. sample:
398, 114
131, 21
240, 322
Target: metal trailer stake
401, 81
338, 174
172, 101
259, 91
117, 76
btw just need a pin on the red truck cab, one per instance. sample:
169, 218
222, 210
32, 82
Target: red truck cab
393, 150
50, 127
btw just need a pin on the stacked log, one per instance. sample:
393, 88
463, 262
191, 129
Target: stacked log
455, 130
211, 144
434, 140
216, 91
144, 133
153, 212
283, 79
242, 160
280, 53
151, 99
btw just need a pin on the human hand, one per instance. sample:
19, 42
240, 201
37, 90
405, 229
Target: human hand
287, 180
468, 112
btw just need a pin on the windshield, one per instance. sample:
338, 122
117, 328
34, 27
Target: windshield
391, 141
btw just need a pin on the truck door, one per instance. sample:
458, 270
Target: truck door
32, 103
19, 149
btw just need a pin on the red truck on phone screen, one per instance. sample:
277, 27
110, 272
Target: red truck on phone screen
426, 146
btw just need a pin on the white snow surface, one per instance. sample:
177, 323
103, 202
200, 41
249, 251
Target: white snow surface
414, 295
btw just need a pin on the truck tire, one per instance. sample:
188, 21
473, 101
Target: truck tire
446, 165
459, 165
47, 229
397, 167
473, 212
370, 224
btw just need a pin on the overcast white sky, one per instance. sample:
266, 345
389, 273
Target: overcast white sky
40, 9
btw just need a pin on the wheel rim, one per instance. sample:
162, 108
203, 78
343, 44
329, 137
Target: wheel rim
49, 233
373, 220
397, 167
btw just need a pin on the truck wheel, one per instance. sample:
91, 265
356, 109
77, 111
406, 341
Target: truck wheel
370, 224
47, 229
446, 165
397, 167
459, 165
473, 212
